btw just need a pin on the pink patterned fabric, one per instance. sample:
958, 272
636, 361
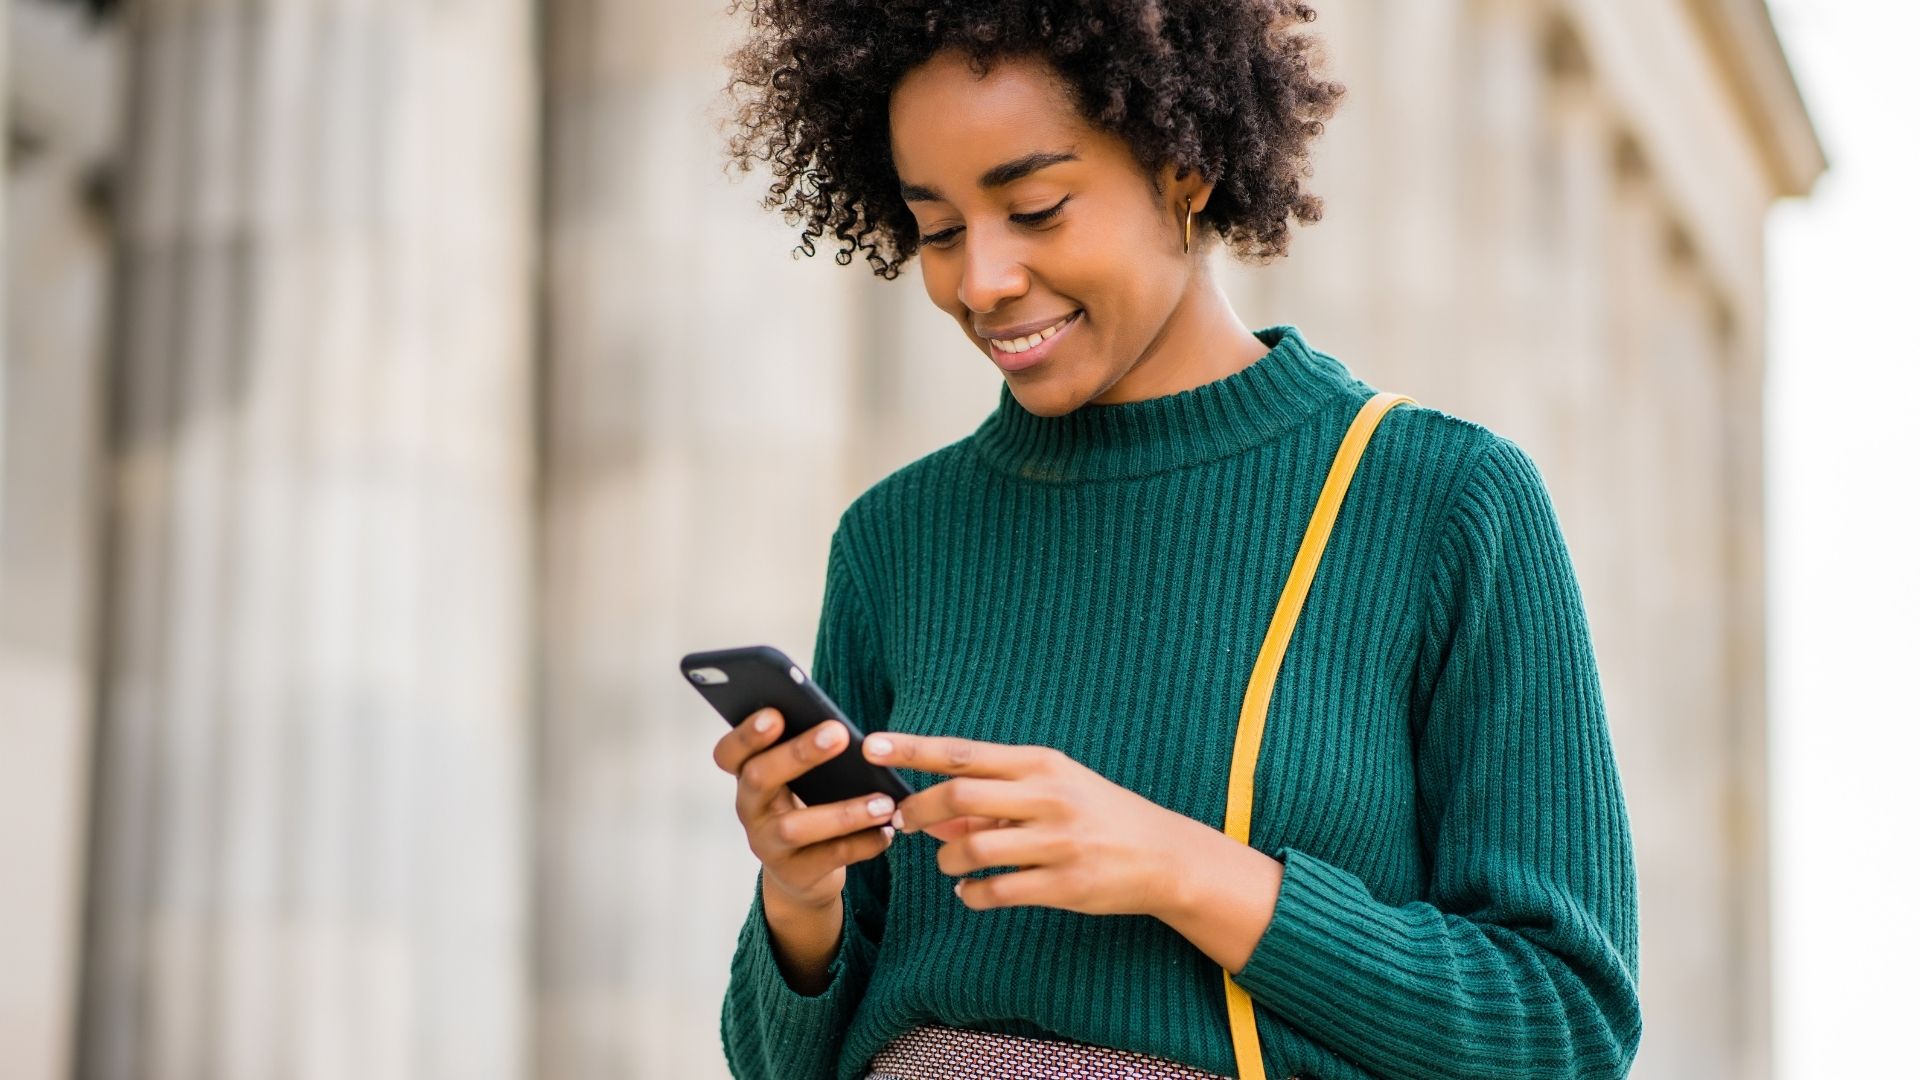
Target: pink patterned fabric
939, 1052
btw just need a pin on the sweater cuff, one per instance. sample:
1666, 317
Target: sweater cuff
1303, 965
768, 1028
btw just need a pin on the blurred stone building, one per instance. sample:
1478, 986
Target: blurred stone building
394, 390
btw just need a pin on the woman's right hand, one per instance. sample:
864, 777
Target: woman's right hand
805, 849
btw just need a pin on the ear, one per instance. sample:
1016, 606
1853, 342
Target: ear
1181, 183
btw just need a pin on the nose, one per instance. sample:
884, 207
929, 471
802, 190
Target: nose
992, 272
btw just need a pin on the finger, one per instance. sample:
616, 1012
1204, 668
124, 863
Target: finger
967, 796
988, 848
815, 861
755, 733
770, 770
956, 828
956, 756
1040, 886
796, 829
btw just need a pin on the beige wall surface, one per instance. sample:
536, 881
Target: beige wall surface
61, 81
394, 392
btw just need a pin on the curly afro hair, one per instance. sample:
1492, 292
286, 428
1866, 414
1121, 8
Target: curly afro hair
1223, 86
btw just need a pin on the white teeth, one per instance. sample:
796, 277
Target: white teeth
1020, 345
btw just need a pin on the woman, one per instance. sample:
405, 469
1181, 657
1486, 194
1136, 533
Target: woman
1053, 619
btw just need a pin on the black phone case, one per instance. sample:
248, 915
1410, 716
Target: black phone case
761, 675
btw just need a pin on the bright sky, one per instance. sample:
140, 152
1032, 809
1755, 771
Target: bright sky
1844, 473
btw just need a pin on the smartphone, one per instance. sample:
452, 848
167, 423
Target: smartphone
740, 682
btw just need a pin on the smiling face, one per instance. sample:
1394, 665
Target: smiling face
1029, 216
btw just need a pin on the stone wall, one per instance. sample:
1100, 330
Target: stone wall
394, 392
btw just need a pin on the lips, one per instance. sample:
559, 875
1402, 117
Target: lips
1012, 362
1030, 339
1015, 333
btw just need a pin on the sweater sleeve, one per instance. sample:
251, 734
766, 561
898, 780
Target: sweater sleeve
1523, 959
768, 1030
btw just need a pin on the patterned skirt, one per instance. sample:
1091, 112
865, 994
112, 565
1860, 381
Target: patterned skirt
939, 1052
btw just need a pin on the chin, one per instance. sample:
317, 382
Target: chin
1044, 401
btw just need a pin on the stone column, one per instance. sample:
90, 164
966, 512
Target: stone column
309, 821
700, 391
61, 94
1504, 251
1377, 281
1666, 747
1740, 361
1575, 338
1325, 284
1420, 260
1705, 905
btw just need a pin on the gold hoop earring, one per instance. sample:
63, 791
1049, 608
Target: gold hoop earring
1187, 244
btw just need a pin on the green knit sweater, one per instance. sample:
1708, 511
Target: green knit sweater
1436, 775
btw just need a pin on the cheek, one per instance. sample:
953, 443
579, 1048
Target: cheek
943, 290
1108, 271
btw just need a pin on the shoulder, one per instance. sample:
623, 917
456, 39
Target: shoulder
1420, 448
1489, 471
1462, 483
1423, 434
900, 492
893, 502
1491, 518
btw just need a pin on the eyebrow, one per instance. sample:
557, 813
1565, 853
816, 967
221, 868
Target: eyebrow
999, 176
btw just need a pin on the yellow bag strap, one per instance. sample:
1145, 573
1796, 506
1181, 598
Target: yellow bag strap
1253, 709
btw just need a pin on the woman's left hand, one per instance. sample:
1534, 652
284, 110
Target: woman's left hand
1083, 842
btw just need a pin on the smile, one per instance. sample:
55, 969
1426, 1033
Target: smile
1022, 344
1024, 352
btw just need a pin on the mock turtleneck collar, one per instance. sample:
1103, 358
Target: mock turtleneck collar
1254, 405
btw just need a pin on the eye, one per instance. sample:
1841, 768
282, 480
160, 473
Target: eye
1038, 217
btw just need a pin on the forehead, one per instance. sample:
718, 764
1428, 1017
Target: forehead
948, 123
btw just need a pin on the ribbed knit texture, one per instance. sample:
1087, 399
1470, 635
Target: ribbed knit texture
1436, 775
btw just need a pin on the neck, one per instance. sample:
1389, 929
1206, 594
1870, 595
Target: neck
1258, 403
1203, 342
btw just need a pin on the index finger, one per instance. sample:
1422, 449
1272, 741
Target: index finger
752, 734
955, 756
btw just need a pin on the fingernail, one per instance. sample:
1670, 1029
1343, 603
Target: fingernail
879, 805
825, 738
888, 829
880, 744
898, 821
763, 721
956, 887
